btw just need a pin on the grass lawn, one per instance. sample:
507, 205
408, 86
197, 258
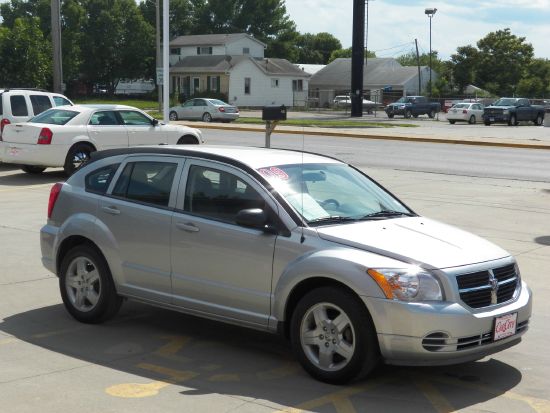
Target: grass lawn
327, 123
137, 103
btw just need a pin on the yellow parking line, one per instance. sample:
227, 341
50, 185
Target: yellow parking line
224, 378
438, 401
18, 188
8, 341
286, 370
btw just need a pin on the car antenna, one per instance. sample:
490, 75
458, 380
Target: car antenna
302, 185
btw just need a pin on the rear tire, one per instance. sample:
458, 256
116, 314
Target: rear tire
207, 117
390, 115
431, 115
32, 169
77, 156
452, 122
539, 120
333, 336
408, 114
472, 120
87, 287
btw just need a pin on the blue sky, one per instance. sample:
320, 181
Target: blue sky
394, 24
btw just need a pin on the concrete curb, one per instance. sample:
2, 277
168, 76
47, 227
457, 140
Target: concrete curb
343, 134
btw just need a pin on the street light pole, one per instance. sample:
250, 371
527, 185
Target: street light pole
430, 13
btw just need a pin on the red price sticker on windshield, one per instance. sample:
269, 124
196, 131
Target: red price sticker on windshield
274, 172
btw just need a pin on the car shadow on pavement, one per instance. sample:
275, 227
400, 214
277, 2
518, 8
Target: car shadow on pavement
201, 357
16, 177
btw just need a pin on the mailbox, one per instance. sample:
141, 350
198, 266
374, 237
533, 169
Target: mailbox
274, 112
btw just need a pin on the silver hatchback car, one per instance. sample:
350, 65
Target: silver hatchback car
283, 241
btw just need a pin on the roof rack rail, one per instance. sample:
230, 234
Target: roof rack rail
26, 88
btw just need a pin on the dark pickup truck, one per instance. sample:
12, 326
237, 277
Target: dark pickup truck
512, 111
413, 106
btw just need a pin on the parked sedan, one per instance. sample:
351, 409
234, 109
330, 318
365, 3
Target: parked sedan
465, 112
282, 241
206, 110
344, 101
66, 136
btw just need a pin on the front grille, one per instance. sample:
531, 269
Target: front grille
493, 111
485, 288
441, 342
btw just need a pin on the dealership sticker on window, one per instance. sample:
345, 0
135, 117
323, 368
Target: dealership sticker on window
274, 172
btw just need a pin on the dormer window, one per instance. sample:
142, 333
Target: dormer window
204, 50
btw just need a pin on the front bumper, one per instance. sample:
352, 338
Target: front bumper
496, 117
32, 154
395, 111
442, 333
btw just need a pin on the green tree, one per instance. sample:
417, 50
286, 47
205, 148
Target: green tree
25, 55
316, 48
346, 53
117, 43
504, 58
183, 18
465, 63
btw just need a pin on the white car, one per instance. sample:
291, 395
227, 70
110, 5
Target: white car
344, 101
470, 112
66, 136
204, 109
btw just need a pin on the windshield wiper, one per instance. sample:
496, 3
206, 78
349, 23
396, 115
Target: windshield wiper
332, 219
386, 214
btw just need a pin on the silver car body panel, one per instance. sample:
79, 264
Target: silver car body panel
245, 276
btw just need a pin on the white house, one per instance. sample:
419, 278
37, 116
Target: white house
234, 65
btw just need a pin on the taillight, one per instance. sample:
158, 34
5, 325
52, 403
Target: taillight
236, 110
45, 137
54, 193
3, 123
221, 109
464, 111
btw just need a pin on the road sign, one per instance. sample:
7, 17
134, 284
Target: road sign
160, 75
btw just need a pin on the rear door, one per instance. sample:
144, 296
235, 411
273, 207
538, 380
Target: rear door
106, 130
39, 103
140, 129
17, 109
138, 213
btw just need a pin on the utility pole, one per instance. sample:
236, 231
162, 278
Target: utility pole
366, 34
56, 43
418, 64
430, 13
159, 56
357, 58
165, 60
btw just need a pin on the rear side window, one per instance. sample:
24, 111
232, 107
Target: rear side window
146, 182
98, 181
54, 117
1, 105
59, 101
18, 105
40, 103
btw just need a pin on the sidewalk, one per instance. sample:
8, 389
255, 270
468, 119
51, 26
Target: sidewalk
428, 130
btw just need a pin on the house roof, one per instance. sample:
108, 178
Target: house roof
221, 63
309, 68
379, 72
211, 39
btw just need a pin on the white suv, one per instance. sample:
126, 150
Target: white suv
19, 105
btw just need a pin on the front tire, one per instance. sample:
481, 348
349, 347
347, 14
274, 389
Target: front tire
539, 120
408, 114
452, 122
431, 115
390, 115
32, 169
333, 336
512, 121
188, 140
487, 123
173, 116
78, 155
86, 286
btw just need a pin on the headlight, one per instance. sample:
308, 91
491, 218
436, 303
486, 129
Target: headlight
407, 284
401, 107
505, 112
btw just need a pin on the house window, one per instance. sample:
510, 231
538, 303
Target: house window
214, 83
298, 85
204, 50
274, 82
175, 50
247, 86
246, 50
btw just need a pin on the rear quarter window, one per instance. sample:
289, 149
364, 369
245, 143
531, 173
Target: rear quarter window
18, 105
98, 181
54, 117
59, 101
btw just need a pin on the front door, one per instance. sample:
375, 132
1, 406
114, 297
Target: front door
219, 267
140, 129
138, 214
106, 131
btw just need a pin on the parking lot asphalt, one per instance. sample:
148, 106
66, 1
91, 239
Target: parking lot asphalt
437, 130
149, 359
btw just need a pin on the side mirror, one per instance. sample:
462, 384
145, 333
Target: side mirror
155, 122
254, 218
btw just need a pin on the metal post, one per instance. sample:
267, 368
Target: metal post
159, 56
357, 58
430, 13
56, 43
165, 60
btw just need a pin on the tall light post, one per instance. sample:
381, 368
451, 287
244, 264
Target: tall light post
430, 13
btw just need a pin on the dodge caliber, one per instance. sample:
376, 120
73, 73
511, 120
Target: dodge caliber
293, 243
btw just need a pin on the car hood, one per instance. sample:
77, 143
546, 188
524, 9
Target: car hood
416, 240
499, 107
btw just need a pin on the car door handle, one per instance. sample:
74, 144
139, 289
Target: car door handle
187, 227
111, 210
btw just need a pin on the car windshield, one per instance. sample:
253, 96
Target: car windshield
505, 102
462, 105
332, 192
54, 117
217, 102
403, 100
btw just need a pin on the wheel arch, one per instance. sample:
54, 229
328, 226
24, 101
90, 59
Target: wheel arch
69, 243
188, 139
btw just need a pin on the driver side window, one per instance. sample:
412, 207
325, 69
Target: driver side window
218, 194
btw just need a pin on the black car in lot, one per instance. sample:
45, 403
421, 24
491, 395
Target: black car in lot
408, 106
512, 111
